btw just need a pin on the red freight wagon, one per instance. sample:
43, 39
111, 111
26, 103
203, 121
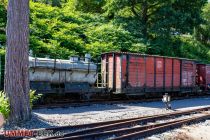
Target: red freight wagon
203, 76
134, 73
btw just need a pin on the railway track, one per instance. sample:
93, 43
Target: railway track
101, 101
132, 128
133, 132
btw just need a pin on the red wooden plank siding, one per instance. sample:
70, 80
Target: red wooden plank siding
136, 76
110, 75
123, 65
168, 74
201, 75
159, 72
103, 70
118, 71
141, 71
133, 72
177, 72
188, 74
208, 75
150, 72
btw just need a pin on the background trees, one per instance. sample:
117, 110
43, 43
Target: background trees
202, 32
94, 6
173, 28
160, 17
3, 20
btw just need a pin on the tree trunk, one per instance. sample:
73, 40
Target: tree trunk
17, 62
145, 18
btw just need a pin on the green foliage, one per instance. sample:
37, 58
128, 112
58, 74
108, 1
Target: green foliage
54, 3
96, 26
63, 33
34, 97
89, 5
2, 59
47, 32
108, 37
160, 17
202, 32
4, 105
194, 49
3, 20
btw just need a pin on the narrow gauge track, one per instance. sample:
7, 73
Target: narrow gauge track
114, 101
135, 132
132, 128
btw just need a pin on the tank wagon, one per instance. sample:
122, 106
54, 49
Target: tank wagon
139, 74
62, 76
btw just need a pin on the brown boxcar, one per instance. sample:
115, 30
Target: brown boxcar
133, 73
203, 77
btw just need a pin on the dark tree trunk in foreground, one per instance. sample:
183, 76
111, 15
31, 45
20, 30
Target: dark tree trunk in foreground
16, 72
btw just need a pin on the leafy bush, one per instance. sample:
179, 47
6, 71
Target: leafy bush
34, 97
4, 105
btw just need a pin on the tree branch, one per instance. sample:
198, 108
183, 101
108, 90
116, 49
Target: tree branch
133, 3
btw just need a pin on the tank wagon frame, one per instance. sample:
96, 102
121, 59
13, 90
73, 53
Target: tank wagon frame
139, 74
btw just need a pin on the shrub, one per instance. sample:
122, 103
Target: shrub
4, 105
34, 97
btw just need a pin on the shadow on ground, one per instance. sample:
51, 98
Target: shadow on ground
35, 123
176, 104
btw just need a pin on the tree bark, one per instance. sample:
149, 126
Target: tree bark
17, 63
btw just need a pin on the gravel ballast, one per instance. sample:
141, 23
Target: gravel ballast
45, 118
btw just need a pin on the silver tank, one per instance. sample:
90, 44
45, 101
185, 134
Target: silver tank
61, 71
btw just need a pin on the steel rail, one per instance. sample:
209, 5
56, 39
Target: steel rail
109, 125
163, 128
128, 122
136, 132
